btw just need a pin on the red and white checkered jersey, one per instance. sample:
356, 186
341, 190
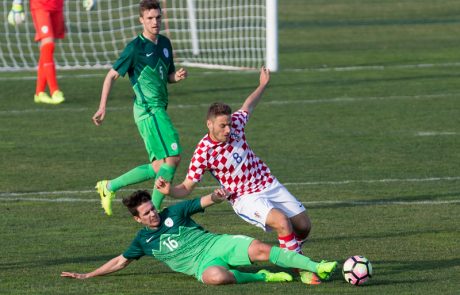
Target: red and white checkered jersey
232, 163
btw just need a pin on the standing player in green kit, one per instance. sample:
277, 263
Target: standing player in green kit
148, 60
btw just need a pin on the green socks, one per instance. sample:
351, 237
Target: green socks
245, 277
291, 259
136, 175
167, 172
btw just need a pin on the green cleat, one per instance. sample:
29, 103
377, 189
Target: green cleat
325, 269
309, 278
43, 97
275, 276
106, 196
57, 97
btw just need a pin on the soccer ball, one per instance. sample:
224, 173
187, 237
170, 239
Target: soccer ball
357, 270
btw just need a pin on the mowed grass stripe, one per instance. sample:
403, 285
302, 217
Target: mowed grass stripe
312, 69
318, 203
266, 103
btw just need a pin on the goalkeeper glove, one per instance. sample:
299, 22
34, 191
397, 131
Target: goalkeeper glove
89, 4
16, 15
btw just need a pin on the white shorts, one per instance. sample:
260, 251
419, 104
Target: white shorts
254, 208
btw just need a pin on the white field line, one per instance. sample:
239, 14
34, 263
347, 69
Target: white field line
273, 102
34, 196
435, 133
318, 69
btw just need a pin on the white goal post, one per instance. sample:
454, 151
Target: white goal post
221, 34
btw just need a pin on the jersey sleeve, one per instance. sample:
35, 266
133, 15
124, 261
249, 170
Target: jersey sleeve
172, 67
239, 119
126, 60
187, 208
198, 163
135, 250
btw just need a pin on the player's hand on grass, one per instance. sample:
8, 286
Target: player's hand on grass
99, 117
163, 186
73, 275
219, 195
16, 15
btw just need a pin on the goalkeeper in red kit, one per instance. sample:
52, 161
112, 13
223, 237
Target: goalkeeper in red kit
48, 19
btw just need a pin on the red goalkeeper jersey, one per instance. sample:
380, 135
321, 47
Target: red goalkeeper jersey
48, 5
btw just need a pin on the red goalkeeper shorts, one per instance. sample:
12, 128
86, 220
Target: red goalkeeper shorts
48, 24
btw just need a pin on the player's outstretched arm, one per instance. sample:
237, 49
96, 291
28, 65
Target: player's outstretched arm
253, 99
113, 265
99, 116
177, 76
217, 196
179, 191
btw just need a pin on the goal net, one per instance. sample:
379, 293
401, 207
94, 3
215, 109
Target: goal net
226, 34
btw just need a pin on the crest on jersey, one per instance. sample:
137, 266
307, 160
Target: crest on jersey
44, 29
166, 52
235, 135
169, 222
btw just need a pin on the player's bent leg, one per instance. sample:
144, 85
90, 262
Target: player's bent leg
279, 222
218, 275
166, 169
259, 251
301, 224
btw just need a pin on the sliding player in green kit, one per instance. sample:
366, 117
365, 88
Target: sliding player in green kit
175, 239
148, 60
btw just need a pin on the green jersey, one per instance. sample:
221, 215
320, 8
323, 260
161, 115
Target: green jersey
148, 66
178, 241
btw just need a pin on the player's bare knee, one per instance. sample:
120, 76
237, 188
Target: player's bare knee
259, 251
301, 224
216, 275
278, 221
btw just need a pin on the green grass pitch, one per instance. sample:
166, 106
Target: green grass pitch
362, 124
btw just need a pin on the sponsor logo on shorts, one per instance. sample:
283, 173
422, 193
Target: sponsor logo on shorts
174, 146
169, 222
44, 29
257, 214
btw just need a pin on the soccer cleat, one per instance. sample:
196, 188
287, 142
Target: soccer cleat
57, 97
106, 196
325, 269
43, 97
309, 278
275, 276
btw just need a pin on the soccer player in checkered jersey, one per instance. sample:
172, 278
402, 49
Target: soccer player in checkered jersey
256, 195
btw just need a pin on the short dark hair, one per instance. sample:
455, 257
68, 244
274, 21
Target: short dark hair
135, 200
147, 5
218, 109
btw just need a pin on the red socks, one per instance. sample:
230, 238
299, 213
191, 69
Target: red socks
46, 69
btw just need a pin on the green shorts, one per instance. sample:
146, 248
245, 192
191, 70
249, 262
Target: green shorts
229, 251
160, 137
